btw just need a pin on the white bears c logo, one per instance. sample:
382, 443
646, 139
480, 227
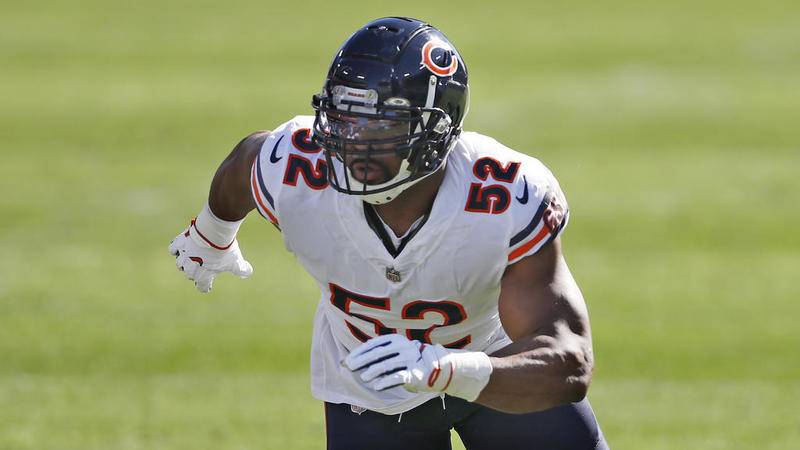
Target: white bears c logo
439, 58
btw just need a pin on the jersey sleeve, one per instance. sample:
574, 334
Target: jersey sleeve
540, 211
266, 176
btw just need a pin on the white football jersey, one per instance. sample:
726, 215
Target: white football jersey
495, 206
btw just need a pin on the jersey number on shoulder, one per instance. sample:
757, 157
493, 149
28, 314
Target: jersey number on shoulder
315, 177
452, 313
493, 198
299, 167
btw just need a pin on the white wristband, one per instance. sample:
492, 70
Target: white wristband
213, 231
471, 372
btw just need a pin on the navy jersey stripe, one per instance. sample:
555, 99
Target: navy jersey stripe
519, 237
261, 182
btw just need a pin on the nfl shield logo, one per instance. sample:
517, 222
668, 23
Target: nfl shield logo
392, 275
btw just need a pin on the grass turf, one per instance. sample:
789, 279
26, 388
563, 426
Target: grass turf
672, 127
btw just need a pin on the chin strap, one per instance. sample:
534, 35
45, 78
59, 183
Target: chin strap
380, 198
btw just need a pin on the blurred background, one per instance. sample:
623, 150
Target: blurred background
674, 128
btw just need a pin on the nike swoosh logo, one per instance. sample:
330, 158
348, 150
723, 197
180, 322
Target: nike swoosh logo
524, 198
273, 158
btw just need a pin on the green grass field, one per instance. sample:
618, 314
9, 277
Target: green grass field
674, 128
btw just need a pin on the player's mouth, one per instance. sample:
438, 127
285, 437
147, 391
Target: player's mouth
372, 172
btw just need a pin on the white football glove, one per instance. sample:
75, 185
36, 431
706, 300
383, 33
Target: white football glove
200, 262
394, 360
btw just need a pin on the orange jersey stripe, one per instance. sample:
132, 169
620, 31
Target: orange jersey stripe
530, 244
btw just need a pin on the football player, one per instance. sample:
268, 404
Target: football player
445, 300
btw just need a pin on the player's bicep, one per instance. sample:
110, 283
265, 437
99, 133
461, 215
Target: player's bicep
539, 297
230, 196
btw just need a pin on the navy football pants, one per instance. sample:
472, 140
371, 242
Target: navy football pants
427, 427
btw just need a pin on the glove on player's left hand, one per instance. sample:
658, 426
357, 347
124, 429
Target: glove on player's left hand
393, 360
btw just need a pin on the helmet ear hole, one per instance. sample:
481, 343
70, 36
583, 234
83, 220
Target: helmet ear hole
442, 125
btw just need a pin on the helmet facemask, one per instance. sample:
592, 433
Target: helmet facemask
360, 131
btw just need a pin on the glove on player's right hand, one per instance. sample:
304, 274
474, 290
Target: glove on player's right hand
201, 261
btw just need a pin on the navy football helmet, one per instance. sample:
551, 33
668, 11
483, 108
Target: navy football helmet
396, 86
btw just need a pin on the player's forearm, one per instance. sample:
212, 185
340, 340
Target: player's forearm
230, 196
538, 373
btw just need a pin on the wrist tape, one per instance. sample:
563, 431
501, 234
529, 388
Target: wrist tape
471, 372
212, 231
